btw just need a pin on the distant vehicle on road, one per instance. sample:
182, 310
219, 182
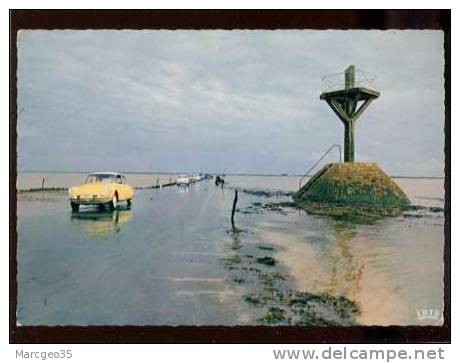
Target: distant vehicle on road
196, 177
101, 189
183, 180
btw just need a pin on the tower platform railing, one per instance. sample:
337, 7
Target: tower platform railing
334, 82
319, 160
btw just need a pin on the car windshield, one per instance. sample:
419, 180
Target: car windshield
100, 178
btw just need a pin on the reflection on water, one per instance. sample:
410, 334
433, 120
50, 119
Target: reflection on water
344, 271
348, 272
101, 223
391, 269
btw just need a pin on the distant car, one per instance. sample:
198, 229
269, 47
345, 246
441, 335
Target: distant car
183, 180
101, 189
196, 177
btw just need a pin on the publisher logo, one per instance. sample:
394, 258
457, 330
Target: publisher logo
430, 316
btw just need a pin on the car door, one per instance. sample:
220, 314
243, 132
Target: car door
128, 189
120, 188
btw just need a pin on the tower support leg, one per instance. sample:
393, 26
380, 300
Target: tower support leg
349, 143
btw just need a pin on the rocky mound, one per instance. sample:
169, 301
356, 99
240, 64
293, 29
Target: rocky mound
352, 185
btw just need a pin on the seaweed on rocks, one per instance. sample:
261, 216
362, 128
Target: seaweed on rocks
267, 260
266, 248
268, 193
274, 315
268, 289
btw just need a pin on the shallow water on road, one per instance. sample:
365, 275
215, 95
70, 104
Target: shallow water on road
160, 262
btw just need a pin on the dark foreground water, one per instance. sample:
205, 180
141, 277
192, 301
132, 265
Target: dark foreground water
171, 260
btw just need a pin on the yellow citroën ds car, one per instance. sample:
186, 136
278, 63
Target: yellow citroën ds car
102, 188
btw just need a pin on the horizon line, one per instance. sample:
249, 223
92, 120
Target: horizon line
216, 173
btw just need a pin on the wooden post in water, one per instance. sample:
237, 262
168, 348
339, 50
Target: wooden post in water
233, 210
43, 183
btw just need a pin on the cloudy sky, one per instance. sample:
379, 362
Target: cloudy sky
223, 101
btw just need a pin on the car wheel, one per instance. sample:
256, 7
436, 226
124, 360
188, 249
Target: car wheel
114, 202
74, 206
129, 202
